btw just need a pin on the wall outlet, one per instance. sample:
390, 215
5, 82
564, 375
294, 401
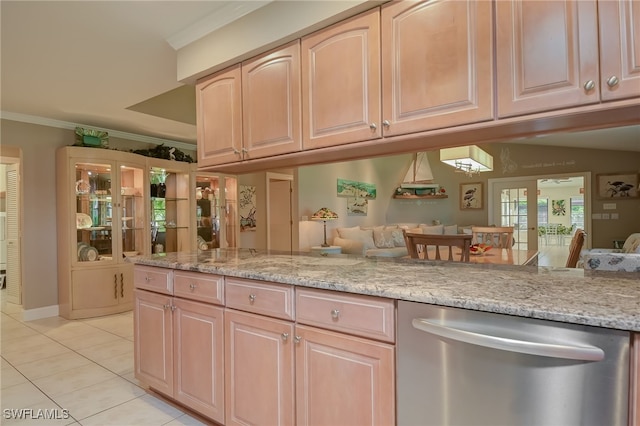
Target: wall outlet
609, 206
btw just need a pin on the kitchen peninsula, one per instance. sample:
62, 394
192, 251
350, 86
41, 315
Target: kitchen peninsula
608, 300
218, 330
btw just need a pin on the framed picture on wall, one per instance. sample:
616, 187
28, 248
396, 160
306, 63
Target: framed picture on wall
471, 195
617, 185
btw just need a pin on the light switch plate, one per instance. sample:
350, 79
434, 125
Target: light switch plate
609, 206
605, 215
596, 216
615, 216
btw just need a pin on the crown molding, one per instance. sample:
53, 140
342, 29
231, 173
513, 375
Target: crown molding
43, 121
213, 21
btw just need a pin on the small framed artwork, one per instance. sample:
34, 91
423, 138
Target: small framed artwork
617, 185
471, 196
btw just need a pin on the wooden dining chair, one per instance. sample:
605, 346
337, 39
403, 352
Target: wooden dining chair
496, 236
427, 246
575, 248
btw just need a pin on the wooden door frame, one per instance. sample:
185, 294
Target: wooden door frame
586, 176
272, 176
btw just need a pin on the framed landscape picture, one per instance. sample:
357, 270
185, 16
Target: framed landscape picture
471, 196
617, 185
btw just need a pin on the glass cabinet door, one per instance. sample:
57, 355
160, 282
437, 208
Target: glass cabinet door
169, 210
132, 210
94, 211
214, 210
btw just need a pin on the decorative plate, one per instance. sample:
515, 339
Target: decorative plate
91, 254
83, 221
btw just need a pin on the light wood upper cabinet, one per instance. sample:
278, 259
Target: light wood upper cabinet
436, 64
619, 48
219, 117
271, 103
341, 82
547, 55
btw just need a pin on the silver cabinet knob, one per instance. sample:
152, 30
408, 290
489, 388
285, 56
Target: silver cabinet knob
147, 278
335, 313
192, 286
285, 336
386, 123
373, 126
173, 308
252, 298
244, 150
235, 151
612, 81
589, 85
166, 306
297, 339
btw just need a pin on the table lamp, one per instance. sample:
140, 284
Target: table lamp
324, 214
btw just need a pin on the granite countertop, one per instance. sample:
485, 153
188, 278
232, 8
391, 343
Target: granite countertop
602, 299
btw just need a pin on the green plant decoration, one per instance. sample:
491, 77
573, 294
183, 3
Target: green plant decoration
91, 137
165, 152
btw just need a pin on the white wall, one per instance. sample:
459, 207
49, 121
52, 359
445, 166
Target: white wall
561, 193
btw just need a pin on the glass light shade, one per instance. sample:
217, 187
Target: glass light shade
324, 214
471, 157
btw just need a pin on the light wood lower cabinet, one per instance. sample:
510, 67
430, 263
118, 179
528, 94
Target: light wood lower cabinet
179, 350
342, 379
634, 419
259, 370
101, 291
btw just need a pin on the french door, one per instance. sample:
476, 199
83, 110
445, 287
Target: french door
515, 203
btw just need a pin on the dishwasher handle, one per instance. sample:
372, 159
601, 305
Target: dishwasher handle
582, 353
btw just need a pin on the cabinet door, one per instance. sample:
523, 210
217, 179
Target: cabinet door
125, 285
437, 64
259, 372
619, 48
330, 367
341, 83
95, 288
271, 103
153, 340
219, 117
547, 55
199, 363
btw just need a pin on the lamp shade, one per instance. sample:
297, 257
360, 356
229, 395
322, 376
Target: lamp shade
469, 156
324, 214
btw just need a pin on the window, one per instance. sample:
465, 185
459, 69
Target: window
543, 211
577, 211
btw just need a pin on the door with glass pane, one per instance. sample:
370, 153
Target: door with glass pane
514, 203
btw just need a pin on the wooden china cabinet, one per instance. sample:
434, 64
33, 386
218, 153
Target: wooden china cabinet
101, 218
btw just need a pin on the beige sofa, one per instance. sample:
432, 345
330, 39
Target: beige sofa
384, 240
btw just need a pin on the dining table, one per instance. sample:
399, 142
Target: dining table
495, 256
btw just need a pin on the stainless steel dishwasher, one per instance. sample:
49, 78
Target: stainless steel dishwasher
461, 367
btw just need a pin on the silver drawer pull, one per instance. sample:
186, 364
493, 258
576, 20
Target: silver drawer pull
192, 286
297, 339
252, 298
285, 336
147, 278
335, 313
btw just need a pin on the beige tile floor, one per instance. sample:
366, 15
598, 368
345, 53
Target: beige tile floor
82, 366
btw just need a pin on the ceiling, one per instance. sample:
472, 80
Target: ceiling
111, 65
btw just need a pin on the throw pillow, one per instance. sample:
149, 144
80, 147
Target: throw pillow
383, 238
450, 229
630, 245
432, 230
398, 238
355, 233
349, 246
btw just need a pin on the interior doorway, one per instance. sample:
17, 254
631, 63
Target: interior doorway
11, 241
280, 212
545, 211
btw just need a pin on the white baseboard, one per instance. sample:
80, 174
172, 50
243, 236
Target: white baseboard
38, 313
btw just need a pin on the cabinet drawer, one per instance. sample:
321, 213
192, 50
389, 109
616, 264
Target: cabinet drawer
159, 280
364, 316
198, 286
260, 297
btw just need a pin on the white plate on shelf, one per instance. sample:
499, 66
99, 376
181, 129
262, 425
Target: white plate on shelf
130, 253
83, 220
